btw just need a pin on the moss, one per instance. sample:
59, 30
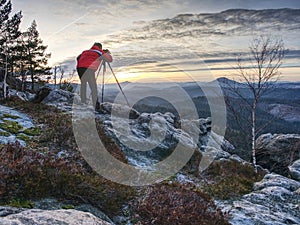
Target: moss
4, 134
230, 179
19, 203
23, 137
33, 131
68, 207
10, 116
11, 126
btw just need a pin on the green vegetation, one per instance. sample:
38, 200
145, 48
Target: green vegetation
23, 137
8, 127
174, 204
68, 207
230, 179
9, 116
19, 203
33, 131
4, 134
11, 126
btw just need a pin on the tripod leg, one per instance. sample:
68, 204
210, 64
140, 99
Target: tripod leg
118, 84
104, 70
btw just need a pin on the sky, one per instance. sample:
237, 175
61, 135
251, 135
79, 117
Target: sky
69, 27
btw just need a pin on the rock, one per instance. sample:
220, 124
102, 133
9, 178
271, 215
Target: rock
118, 110
24, 96
275, 180
46, 217
274, 201
276, 152
53, 204
5, 211
155, 132
41, 94
159, 134
59, 96
295, 170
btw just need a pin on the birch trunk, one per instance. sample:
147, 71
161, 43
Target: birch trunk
253, 140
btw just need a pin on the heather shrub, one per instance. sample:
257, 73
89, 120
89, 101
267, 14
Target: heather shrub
28, 174
230, 179
164, 205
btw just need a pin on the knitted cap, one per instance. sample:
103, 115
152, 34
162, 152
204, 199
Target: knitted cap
98, 44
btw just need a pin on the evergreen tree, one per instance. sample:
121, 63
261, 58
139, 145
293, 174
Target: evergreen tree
36, 57
9, 32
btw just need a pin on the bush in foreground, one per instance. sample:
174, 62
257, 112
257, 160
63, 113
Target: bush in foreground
165, 205
28, 174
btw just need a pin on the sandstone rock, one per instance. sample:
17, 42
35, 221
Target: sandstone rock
276, 152
274, 201
46, 217
5, 211
295, 170
59, 96
24, 96
54, 204
41, 94
118, 110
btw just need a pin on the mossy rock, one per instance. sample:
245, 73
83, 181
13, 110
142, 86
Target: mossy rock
230, 179
23, 137
6, 115
68, 207
18, 203
11, 126
4, 134
33, 131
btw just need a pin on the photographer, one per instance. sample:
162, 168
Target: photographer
87, 64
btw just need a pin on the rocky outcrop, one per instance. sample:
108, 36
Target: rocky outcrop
41, 94
276, 152
160, 133
59, 96
295, 170
12, 216
274, 201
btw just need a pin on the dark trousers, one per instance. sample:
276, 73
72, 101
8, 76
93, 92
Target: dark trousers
88, 76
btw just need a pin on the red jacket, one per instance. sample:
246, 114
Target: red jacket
92, 58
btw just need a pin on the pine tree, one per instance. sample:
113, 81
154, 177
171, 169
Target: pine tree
9, 32
36, 58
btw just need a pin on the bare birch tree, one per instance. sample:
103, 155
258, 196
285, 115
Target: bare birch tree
259, 72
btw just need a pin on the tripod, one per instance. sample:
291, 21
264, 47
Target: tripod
103, 64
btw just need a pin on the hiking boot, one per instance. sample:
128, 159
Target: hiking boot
98, 107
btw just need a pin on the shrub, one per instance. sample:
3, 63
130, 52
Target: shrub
27, 174
231, 179
166, 205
